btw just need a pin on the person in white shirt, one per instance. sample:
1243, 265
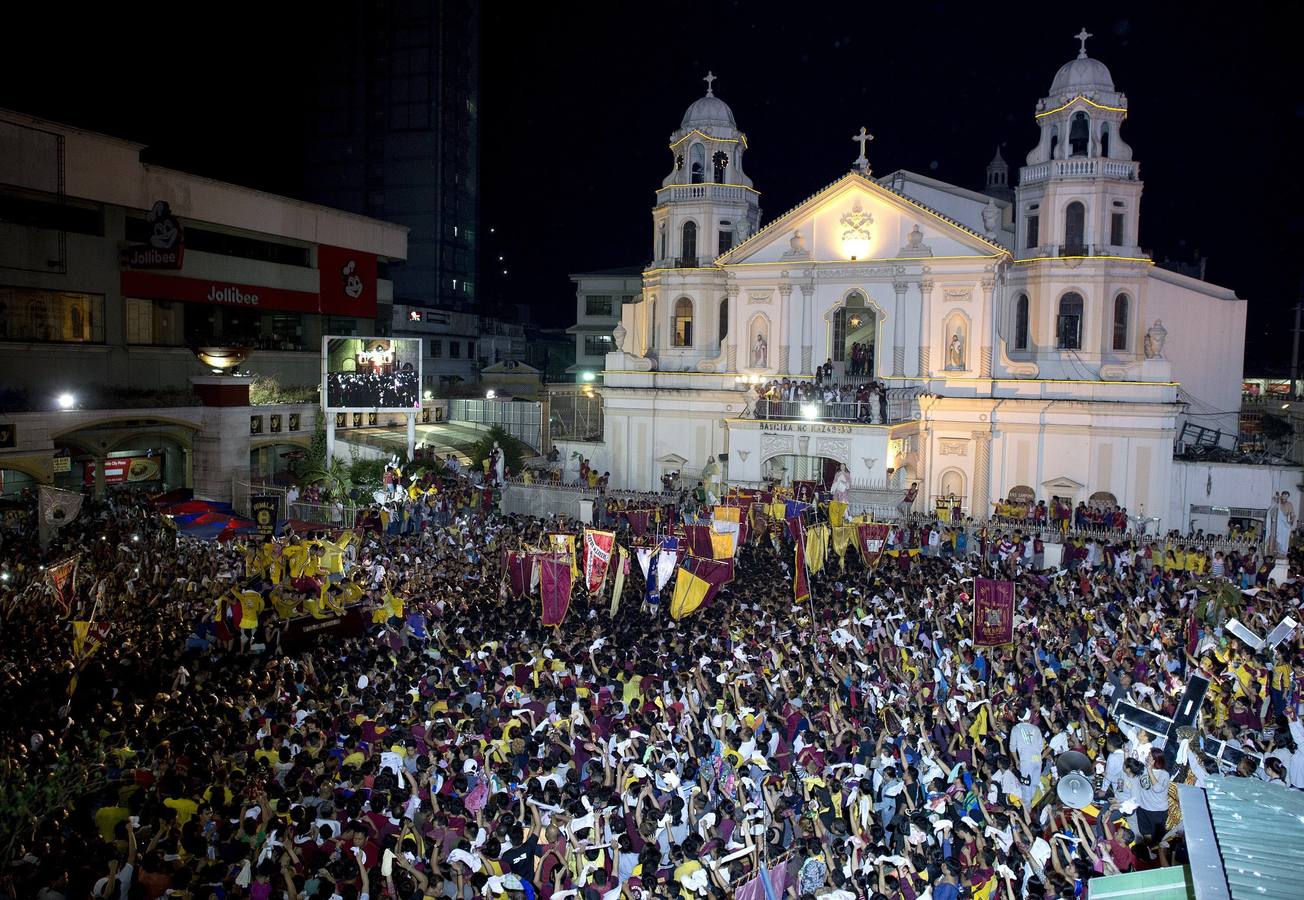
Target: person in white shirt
1153, 800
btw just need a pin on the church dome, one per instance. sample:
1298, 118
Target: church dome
1082, 76
706, 112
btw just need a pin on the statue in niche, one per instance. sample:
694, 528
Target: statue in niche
955, 351
1154, 340
991, 217
760, 352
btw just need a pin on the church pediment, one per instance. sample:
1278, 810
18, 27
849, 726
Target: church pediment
858, 219
1062, 484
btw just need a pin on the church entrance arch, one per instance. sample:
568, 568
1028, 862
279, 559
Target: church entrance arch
854, 338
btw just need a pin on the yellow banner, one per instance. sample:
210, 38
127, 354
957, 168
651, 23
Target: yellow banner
690, 591
722, 545
837, 512
817, 546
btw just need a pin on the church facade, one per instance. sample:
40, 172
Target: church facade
1016, 339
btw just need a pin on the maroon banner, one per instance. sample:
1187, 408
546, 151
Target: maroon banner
347, 282
62, 578
698, 538
598, 546
993, 612
871, 538
519, 568
638, 520
800, 577
796, 529
717, 572
554, 586
805, 490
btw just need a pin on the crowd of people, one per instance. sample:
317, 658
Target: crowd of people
863, 401
855, 745
397, 389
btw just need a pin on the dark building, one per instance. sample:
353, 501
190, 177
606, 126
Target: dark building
393, 132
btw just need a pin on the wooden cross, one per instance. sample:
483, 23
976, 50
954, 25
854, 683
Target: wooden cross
710, 77
862, 161
1082, 36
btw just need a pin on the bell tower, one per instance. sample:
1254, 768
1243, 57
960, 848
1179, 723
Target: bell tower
1076, 288
706, 205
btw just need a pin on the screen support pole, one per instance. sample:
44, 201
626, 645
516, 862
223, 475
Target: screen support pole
411, 436
330, 437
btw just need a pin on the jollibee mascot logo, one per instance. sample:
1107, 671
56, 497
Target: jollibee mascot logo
167, 230
352, 280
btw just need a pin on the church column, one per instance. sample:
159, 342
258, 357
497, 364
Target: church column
925, 326
989, 311
735, 318
981, 507
807, 325
899, 330
785, 332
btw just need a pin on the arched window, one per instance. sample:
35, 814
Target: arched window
724, 318
1079, 135
697, 164
665, 242
1075, 227
1021, 322
1054, 140
688, 245
1104, 139
719, 162
683, 336
1068, 325
1120, 322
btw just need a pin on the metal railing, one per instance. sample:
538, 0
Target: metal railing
902, 405
521, 419
574, 414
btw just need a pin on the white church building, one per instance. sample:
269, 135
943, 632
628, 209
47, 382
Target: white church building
1027, 342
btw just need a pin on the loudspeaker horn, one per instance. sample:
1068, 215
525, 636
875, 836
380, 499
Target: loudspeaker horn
1075, 791
1072, 761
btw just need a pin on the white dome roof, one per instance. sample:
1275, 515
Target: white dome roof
708, 111
1082, 75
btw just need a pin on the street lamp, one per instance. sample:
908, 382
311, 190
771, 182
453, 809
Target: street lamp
66, 400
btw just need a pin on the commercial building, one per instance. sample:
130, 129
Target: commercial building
393, 133
600, 296
111, 270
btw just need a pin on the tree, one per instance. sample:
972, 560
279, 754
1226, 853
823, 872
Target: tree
27, 803
515, 452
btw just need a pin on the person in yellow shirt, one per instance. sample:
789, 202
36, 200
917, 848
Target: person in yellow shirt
251, 606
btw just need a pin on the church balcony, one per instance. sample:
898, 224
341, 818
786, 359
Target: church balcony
734, 193
1080, 167
902, 405
686, 262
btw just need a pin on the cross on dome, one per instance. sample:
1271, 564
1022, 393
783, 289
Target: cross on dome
862, 161
1081, 36
710, 77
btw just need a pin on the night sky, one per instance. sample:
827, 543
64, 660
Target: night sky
577, 101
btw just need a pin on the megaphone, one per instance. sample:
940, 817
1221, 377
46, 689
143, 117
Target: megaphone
1072, 761
1075, 791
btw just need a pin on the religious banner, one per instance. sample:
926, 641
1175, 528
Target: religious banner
622, 569
691, 592
718, 572
698, 539
871, 538
639, 520
800, 577
265, 510
597, 557
565, 543
805, 490
554, 586
817, 545
520, 569
87, 638
62, 577
667, 559
993, 612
